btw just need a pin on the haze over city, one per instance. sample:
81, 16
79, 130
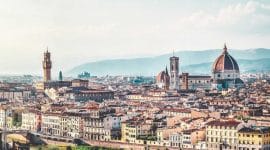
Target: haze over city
82, 31
135, 75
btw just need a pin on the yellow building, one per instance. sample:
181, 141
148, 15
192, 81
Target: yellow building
123, 131
254, 138
134, 131
129, 132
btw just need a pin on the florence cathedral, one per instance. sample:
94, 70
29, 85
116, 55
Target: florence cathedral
225, 74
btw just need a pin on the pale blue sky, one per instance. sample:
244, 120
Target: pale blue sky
78, 31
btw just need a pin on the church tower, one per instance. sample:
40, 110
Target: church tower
174, 72
47, 66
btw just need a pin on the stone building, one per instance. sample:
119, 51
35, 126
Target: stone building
51, 123
31, 120
192, 82
72, 124
101, 125
221, 134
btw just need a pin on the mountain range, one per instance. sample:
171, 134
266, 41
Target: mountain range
193, 62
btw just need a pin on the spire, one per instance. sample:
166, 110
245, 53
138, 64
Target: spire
166, 70
225, 48
47, 50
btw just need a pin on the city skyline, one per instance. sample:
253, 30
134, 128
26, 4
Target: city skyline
135, 75
87, 31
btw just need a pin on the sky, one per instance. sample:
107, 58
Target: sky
80, 31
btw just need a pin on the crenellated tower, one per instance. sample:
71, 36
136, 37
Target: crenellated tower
47, 66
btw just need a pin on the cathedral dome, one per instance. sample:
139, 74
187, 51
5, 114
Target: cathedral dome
225, 62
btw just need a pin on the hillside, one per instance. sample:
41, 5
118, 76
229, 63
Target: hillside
194, 62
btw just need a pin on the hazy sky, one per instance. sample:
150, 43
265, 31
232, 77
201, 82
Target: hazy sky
79, 31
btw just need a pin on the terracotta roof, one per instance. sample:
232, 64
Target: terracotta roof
255, 129
226, 123
197, 76
177, 110
225, 62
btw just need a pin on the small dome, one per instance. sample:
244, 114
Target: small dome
163, 76
225, 62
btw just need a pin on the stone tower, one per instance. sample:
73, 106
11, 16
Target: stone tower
184, 81
174, 73
47, 66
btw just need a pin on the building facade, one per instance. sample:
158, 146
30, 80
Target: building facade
51, 124
15, 94
31, 120
222, 135
254, 138
193, 82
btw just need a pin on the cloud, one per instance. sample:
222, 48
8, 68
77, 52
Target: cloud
81, 31
243, 17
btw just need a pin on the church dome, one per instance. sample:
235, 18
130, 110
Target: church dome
225, 62
163, 76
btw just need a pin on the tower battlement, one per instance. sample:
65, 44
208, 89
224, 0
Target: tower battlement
47, 66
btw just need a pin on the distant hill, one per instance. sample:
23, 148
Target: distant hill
194, 62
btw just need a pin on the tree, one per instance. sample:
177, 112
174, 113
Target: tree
60, 76
69, 148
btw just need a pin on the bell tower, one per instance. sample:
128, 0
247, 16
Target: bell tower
174, 73
47, 66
